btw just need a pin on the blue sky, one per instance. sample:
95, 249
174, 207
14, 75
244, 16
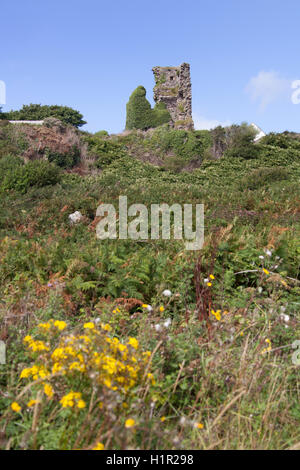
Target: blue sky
91, 55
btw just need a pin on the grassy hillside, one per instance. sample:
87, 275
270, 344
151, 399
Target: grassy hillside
97, 354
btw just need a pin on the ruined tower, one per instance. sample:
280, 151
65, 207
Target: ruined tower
173, 87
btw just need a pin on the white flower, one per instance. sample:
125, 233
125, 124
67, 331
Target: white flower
206, 281
157, 327
75, 217
268, 252
167, 293
260, 289
167, 323
261, 257
285, 318
149, 308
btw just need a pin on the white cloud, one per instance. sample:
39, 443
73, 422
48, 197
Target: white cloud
268, 87
202, 122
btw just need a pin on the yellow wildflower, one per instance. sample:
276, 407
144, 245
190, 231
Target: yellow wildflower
269, 348
212, 276
163, 418
161, 309
199, 425
133, 342
31, 403
43, 372
150, 376
99, 446
216, 314
60, 325
81, 404
38, 346
58, 353
266, 271
68, 400
56, 367
45, 326
90, 325
122, 347
48, 390
25, 373
129, 423
15, 407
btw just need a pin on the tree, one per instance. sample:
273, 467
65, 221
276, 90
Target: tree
2, 115
140, 115
138, 110
36, 112
240, 142
234, 141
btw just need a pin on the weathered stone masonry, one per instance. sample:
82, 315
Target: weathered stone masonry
173, 87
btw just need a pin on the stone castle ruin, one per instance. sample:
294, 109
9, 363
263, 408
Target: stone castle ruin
173, 87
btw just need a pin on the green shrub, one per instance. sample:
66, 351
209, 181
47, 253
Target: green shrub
160, 115
246, 151
278, 156
36, 112
7, 148
37, 173
140, 115
7, 145
105, 151
204, 137
138, 110
184, 144
240, 142
101, 134
234, 141
264, 176
64, 160
175, 164
9, 163
286, 140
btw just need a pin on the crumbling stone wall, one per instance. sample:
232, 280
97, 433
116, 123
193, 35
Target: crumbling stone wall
173, 87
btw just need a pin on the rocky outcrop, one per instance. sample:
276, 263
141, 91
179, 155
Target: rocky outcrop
52, 136
173, 87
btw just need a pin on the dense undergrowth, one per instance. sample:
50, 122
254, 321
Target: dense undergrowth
123, 344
